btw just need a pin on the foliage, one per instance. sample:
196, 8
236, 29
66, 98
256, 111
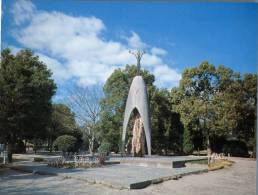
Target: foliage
26, 90
167, 128
215, 101
19, 147
235, 148
62, 122
211, 104
200, 86
187, 142
65, 143
104, 147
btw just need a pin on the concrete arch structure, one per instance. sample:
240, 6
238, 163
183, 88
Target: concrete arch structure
138, 98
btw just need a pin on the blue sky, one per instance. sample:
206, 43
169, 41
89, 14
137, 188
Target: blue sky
83, 42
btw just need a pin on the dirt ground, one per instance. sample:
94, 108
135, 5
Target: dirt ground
236, 180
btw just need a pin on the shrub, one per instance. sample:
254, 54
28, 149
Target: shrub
236, 148
65, 143
104, 148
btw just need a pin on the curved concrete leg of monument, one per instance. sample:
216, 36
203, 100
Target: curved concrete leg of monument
137, 98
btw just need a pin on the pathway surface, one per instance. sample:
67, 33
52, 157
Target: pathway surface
118, 176
236, 180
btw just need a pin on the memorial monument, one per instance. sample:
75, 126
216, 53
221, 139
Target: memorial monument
138, 100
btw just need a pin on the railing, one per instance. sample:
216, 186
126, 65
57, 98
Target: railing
78, 159
90, 158
85, 158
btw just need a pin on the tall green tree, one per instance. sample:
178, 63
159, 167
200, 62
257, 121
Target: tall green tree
62, 123
248, 124
167, 129
216, 102
185, 107
187, 141
26, 90
200, 85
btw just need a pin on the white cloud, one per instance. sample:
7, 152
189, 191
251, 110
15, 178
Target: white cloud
135, 42
167, 74
74, 47
158, 51
59, 71
22, 11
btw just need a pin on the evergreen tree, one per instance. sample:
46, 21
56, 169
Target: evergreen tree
187, 142
26, 90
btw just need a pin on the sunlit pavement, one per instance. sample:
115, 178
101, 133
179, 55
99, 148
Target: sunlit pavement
238, 180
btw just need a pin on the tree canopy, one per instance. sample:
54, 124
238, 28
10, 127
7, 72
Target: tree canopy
62, 122
213, 107
26, 89
213, 102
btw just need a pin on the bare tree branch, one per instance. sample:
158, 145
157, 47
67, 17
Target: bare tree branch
85, 103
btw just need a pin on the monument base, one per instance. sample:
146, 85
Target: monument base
156, 161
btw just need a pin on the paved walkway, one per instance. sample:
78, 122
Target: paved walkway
118, 176
236, 180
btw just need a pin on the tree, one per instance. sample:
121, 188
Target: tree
85, 103
202, 84
25, 103
216, 102
62, 122
236, 107
185, 106
104, 148
65, 143
247, 124
167, 128
187, 141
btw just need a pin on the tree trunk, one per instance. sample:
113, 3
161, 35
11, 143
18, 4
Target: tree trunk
90, 150
91, 145
207, 135
208, 149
